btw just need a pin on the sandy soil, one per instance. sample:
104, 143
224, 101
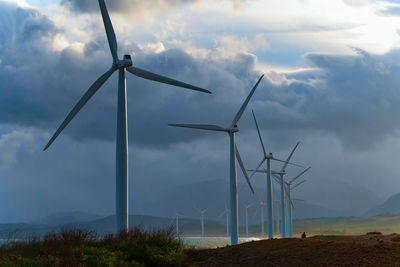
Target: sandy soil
365, 250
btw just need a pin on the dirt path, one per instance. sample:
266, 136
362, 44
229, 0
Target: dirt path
365, 250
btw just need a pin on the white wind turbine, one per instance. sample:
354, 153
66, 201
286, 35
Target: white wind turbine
282, 195
226, 212
234, 154
247, 218
268, 158
201, 220
177, 215
122, 125
288, 201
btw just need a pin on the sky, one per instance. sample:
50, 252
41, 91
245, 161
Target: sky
331, 82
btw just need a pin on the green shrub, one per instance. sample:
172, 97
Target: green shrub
71, 247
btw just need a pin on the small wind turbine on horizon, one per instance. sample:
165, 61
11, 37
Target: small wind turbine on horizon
226, 212
234, 155
247, 218
122, 66
177, 215
201, 220
268, 158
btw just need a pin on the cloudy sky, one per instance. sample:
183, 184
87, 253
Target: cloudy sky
331, 81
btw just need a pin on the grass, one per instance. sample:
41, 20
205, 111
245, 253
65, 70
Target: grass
76, 247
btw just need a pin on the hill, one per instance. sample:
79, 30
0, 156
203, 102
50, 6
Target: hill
365, 250
390, 206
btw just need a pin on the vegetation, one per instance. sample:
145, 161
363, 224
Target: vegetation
75, 247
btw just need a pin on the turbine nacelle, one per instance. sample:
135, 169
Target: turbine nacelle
234, 129
124, 63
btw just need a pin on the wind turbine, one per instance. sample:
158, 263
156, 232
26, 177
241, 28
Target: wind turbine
288, 188
234, 154
268, 158
290, 210
226, 212
202, 220
122, 66
282, 195
177, 222
247, 218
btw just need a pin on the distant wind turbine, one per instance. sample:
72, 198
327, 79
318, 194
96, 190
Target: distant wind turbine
177, 215
267, 158
122, 125
202, 220
247, 218
234, 155
226, 212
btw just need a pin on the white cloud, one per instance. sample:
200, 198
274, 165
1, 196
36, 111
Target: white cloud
10, 143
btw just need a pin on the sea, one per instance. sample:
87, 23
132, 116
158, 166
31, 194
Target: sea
211, 242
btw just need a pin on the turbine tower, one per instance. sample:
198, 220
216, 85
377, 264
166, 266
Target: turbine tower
267, 158
277, 202
122, 65
262, 207
234, 155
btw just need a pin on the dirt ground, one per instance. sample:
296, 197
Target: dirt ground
373, 249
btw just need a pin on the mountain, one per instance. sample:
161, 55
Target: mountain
390, 206
213, 194
347, 199
66, 218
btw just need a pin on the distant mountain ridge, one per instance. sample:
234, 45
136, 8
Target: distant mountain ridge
390, 206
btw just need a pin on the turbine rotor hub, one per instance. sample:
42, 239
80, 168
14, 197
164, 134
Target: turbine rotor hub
125, 62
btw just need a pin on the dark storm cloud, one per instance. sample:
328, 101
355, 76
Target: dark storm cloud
352, 97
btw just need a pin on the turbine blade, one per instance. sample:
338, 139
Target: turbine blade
85, 98
162, 79
300, 174
259, 134
294, 164
276, 179
244, 105
112, 40
219, 216
259, 165
200, 126
239, 159
290, 156
298, 184
261, 171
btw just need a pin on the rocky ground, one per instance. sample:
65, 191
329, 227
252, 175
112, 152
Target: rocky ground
372, 249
